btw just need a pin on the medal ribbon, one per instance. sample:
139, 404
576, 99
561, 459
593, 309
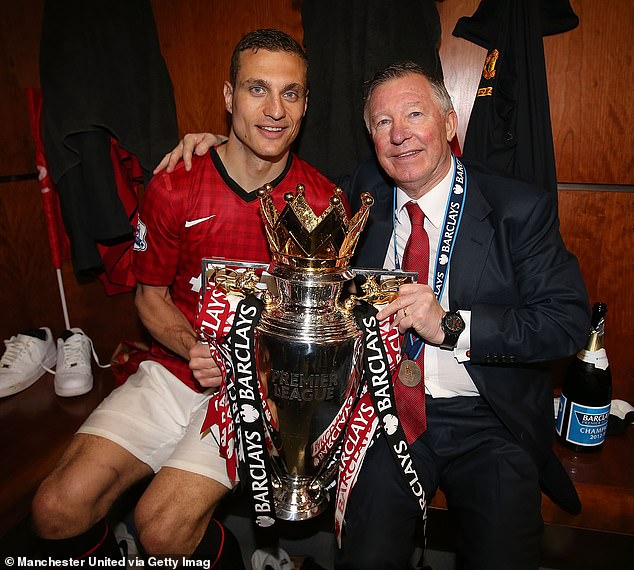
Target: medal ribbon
450, 227
380, 378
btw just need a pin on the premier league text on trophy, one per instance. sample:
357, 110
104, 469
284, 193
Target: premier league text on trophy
92, 562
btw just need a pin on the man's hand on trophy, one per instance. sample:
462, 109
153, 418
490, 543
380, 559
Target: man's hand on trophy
192, 143
416, 307
203, 366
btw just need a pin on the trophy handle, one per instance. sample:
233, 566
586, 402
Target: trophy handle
375, 292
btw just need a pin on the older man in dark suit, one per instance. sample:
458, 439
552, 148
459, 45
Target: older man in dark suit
504, 297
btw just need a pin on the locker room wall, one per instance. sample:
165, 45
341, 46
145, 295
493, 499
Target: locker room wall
589, 71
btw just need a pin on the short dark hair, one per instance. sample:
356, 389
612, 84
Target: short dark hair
268, 39
401, 69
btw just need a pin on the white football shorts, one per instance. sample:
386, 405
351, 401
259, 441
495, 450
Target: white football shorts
157, 418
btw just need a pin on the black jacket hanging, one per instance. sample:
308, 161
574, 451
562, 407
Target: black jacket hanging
102, 76
510, 127
347, 43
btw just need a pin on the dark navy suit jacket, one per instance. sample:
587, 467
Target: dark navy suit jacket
527, 299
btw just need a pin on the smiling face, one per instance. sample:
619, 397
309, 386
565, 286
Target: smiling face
267, 103
411, 133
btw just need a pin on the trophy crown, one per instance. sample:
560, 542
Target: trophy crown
300, 239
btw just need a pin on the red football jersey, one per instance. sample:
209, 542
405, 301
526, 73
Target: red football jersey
187, 216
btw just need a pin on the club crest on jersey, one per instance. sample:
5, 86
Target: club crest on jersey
489, 64
139, 238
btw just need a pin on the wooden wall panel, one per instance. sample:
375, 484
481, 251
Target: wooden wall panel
599, 228
589, 81
462, 61
26, 274
29, 286
197, 39
588, 73
20, 24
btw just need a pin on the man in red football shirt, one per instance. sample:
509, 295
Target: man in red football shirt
152, 422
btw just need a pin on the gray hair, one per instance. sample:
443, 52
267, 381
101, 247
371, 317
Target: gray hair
401, 69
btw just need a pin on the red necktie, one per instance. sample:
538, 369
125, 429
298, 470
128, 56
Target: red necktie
410, 401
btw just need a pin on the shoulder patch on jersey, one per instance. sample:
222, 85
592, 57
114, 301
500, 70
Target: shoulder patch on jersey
140, 244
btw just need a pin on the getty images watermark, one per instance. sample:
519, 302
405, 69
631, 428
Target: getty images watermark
92, 562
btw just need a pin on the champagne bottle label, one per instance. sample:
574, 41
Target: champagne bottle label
598, 358
587, 424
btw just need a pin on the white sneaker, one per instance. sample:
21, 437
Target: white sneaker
73, 375
271, 559
127, 542
23, 360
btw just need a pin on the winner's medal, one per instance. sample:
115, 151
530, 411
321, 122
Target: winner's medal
409, 373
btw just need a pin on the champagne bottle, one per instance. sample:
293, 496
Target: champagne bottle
584, 406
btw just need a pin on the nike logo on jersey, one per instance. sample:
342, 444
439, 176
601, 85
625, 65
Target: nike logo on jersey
190, 223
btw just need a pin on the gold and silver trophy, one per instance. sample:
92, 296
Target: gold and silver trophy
307, 342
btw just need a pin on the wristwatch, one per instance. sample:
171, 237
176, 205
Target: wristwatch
452, 325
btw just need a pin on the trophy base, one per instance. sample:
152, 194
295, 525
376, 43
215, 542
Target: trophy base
296, 499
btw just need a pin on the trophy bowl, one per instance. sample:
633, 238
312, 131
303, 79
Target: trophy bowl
305, 343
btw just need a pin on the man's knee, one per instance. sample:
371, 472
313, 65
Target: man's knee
45, 509
162, 531
168, 528
60, 508
173, 513
81, 489
153, 528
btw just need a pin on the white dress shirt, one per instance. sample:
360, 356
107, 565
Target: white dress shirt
445, 375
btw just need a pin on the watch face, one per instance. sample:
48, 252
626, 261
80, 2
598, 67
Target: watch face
453, 323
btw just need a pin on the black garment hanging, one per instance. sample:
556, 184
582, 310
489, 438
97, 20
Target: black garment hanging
347, 43
102, 76
510, 127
